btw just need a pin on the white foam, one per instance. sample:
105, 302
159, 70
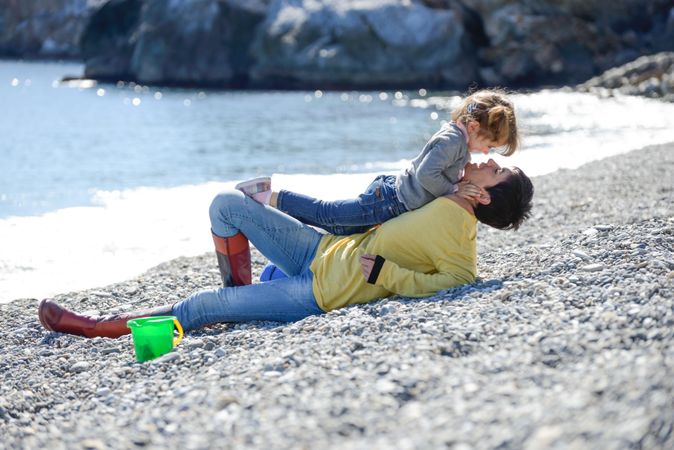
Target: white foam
76, 248
125, 234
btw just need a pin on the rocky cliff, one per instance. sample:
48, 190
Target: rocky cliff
45, 28
340, 43
648, 76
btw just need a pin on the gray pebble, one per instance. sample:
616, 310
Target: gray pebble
103, 392
581, 254
167, 358
597, 267
80, 366
109, 350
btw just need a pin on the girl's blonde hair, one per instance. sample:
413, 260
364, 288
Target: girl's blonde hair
495, 114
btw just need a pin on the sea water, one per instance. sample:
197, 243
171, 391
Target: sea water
99, 182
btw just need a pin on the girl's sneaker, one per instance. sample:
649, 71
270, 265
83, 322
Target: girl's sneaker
259, 189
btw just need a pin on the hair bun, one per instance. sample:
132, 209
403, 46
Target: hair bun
498, 117
498, 110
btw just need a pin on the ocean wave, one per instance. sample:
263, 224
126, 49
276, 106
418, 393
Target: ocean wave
124, 233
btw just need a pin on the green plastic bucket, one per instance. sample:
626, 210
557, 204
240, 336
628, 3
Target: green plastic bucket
153, 336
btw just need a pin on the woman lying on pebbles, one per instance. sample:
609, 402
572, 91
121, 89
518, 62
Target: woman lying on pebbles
416, 254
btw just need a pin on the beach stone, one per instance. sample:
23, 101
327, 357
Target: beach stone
167, 358
194, 344
92, 444
590, 232
593, 267
582, 255
109, 350
603, 227
80, 366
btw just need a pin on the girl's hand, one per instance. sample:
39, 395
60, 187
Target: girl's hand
366, 264
469, 191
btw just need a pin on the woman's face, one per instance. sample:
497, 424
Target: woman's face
486, 175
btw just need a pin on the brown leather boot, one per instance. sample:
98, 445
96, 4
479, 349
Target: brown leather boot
233, 255
55, 317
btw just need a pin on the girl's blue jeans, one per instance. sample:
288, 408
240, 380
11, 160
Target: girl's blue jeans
376, 205
288, 243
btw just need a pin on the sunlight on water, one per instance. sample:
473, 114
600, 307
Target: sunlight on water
564, 130
101, 182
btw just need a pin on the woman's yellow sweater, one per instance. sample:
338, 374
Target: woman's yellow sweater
426, 250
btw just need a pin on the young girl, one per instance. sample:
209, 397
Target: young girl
484, 121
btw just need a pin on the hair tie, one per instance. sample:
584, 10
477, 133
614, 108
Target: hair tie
471, 108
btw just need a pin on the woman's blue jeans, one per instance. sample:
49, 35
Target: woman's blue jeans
288, 243
376, 205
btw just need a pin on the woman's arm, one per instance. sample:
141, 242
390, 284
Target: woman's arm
402, 281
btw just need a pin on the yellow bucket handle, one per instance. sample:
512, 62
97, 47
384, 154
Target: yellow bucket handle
176, 340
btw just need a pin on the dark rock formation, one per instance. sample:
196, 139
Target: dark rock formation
341, 43
362, 44
43, 29
566, 41
650, 76
198, 42
108, 40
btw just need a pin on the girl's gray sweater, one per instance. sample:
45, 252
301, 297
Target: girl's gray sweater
436, 170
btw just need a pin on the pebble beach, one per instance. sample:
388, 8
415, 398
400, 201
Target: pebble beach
565, 341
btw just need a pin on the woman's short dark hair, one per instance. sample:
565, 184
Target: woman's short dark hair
510, 202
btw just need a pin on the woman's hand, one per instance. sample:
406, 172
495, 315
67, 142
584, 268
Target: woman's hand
469, 191
366, 264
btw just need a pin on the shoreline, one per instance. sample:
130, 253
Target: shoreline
566, 340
